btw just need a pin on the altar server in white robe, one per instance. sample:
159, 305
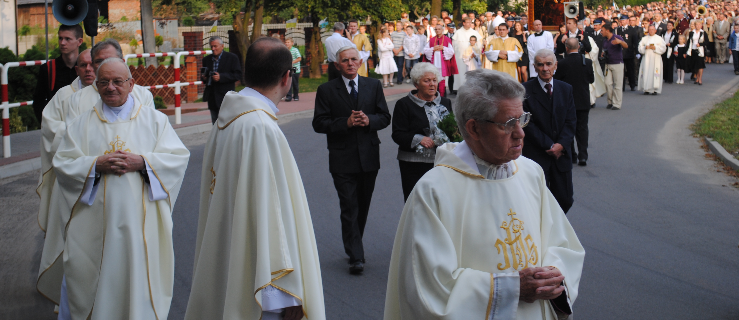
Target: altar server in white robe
255, 255
53, 129
598, 87
83, 100
651, 47
119, 169
481, 236
538, 40
461, 41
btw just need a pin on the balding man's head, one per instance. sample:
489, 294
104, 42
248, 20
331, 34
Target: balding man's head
114, 81
537, 26
572, 44
108, 48
268, 60
84, 68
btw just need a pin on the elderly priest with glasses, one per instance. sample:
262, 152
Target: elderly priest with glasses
119, 169
481, 236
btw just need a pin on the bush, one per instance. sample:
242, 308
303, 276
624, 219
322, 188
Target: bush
159, 103
158, 40
25, 30
124, 19
188, 21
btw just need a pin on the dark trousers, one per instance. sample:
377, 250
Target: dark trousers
630, 72
581, 136
409, 64
735, 57
333, 73
410, 173
295, 89
399, 62
355, 194
560, 185
668, 68
214, 105
450, 85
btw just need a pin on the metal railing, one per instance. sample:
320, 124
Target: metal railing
5, 104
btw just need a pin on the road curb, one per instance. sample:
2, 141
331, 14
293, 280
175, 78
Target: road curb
20, 167
722, 154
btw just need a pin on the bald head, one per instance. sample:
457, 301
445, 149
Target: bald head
84, 68
268, 61
572, 44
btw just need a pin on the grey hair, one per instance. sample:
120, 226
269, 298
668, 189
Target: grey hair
481, 94
572, 44
215, 38
339, 26
342, 49
105, 44
545, 53
421, 69
113, 60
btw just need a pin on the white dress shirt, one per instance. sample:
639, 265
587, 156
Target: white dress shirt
334, 43
348, 87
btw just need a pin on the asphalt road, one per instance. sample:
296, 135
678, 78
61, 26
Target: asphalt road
659, 223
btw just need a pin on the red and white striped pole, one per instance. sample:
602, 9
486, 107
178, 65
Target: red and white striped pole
177, 84
148, 55
5, 105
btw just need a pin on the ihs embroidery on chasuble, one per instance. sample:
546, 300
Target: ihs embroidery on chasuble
117, 145
212, 182
523, 251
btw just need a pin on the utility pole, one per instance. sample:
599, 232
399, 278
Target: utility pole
147, 31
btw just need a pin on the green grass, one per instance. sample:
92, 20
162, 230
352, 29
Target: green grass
722, 124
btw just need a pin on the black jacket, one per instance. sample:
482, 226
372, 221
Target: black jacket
357, 149
673, 44
45, 90
631, 37
553, 121
229, 69
409, 119
577, 71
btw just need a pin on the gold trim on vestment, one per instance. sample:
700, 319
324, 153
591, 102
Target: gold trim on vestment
282, 273
39, 195
42, 274
146, 247
102, 252
461, 171
71, 214
106, 121
492, 295
137, 112
98, 114
243, 113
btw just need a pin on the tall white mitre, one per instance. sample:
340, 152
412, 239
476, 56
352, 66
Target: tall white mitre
255, 248
463, 238
53, 128
83, 100
117, 252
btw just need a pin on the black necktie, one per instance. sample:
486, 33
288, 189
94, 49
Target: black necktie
353, 93
548, 86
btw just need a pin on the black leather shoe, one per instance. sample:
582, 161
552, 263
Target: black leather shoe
288, 99
582, 163
632, 88
592, 106
646, 93
609, 106
356, 268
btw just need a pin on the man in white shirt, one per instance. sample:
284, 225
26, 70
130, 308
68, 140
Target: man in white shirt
538, 40
333, 43
498, 19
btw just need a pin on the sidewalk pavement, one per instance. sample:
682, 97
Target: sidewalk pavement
25, 146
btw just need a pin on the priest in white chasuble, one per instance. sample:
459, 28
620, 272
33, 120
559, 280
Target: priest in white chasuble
481, 236
53, 129
504, 52
651, 72
83, 100
461, 42
119, 169
255, 255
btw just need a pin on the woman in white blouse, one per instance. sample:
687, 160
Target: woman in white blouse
386, 67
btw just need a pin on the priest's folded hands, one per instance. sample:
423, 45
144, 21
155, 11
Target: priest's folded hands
540, 283
119, 162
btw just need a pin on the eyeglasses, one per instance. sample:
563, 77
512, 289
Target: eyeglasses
117, 83
510, 125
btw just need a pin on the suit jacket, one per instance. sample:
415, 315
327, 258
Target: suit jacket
577, 71
631, 37
409, 119
661, 27
553, 121
229, 68
724, 30
356, 149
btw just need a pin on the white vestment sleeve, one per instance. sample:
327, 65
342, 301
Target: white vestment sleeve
492, 55
448, 52
505, 299
429, 52
514, 56
156, 191
274, 300
91, 189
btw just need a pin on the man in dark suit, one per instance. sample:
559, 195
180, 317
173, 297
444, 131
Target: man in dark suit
549, 135
631, 37
577, 71
223, 70
350, 110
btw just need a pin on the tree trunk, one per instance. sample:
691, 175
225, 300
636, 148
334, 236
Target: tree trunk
316, 48
436, 8
147, 30
457, 13
258, 13
241, 26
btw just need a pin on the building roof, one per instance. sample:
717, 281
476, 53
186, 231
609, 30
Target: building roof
25, 2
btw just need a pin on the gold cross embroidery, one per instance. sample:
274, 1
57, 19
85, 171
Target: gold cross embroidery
523, 250
117, 145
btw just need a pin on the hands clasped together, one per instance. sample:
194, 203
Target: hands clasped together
540, 283
119, 162
556, 151
357, 119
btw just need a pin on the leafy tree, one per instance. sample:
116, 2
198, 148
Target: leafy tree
188, 21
